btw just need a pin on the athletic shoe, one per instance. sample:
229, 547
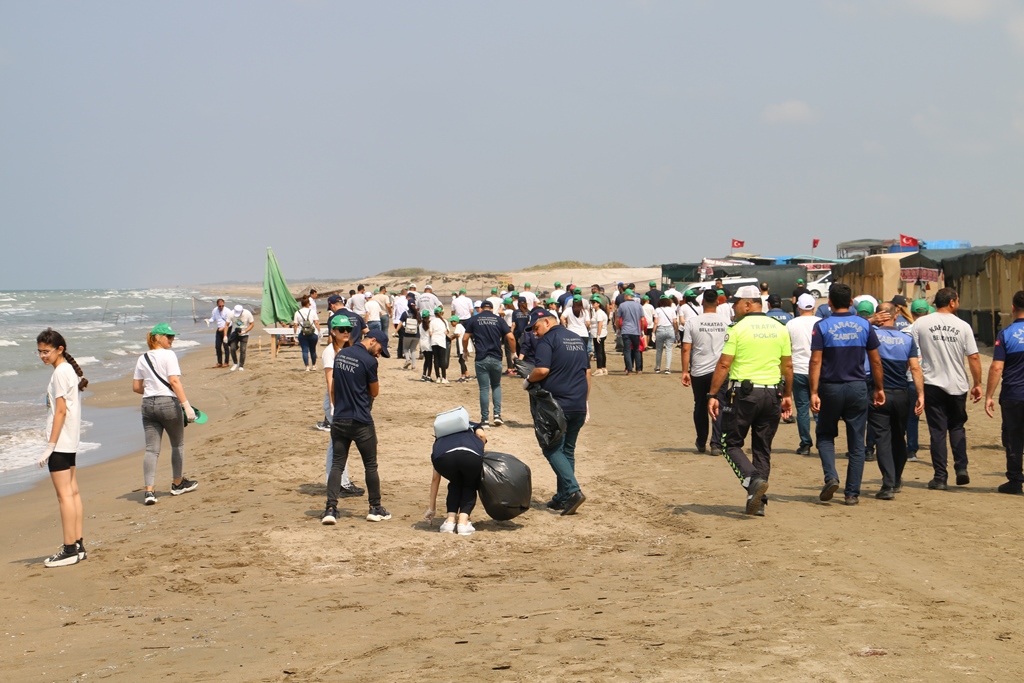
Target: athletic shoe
447, 527
498, 421
912, 457
886, 493
830, 487
352, 490
789, 420
899, 486
573, 503
240, 368
150, 498
760, 510
234, 367
936, 485
378, 514
66, 556
444, 380
716, 449
484, 424
466, 529
851, 500
962, 478
81, 551
803, 450
323, 426
185, 486
462, 379
755, 492
701, 449
329, 516
667, 372
657, 371
555, 505
1012, 487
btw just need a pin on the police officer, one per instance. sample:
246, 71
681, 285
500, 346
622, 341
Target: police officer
757, 361
1008, 363
563, 368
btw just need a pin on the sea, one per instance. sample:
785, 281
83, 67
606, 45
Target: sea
106, 332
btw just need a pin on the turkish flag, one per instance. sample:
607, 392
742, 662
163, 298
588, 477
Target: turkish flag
815, 244
737, 244
908, 241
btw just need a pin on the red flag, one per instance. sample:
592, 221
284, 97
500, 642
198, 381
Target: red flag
908, 241
815, 244
737, 244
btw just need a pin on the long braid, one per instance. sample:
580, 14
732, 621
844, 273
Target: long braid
78, 371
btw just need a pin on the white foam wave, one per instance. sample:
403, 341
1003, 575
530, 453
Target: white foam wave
87, 360
8, 373
132, 306
7, 298
8, 342
185, 343
119, 352
89, 308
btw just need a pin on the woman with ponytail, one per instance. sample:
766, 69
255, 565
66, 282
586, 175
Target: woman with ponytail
158, 379
63, 430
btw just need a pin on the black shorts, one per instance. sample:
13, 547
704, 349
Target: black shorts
60, 462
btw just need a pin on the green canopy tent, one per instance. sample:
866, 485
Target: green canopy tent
279, 306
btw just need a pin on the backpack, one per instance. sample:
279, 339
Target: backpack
307, 325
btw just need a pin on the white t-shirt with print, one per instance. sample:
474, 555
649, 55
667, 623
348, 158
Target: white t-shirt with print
707, 334
166, 365
240, 323
944, 339
64, 384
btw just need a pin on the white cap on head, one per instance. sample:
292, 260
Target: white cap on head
865, 297
425, 287
412, 286
805, 302
748, 292
237, 309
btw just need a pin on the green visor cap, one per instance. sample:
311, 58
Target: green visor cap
526, 284
462, 290
341, 321
645, 298
597, 298
494, 290
919, 306
800, 281
866, 307
507, 300
438, 309
163, 328
558, 284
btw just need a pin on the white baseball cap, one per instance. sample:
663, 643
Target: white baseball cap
748, 292
805, 302
238, 309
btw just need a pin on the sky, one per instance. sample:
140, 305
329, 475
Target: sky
146, 144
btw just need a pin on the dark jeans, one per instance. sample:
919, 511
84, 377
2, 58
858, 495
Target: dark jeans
308, 344
889, 421
757, 413
508, 354
440, 354
237, 346
631, 353
802, 403
847, 402
462, 469
401, 339
600, 356
343, 433
1013, 437
913, 419
373, 325
428, 361
488, 377
221, 346
946, 413
701, 386
562, 458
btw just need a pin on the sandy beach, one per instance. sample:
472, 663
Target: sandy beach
660, 577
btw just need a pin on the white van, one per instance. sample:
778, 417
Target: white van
819, 288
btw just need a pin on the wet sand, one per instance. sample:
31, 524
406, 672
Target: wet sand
660, 577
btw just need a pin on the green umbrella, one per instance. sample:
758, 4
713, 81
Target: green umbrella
279, 306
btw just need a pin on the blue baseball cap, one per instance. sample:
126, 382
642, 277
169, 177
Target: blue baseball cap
381, 338
538, 313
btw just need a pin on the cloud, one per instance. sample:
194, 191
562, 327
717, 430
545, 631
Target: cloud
954, 10
790, 111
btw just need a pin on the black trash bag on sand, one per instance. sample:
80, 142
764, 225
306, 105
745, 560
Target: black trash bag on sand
506, 486
549, 423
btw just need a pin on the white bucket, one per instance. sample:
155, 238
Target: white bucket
451, 422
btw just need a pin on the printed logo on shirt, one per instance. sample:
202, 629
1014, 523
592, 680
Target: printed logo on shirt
346, 364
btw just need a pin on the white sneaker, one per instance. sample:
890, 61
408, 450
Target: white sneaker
447, 527
234, 367
445, 381
466, 529
240, 369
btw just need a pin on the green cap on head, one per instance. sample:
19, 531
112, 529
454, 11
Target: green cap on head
526, 284
438, 309
462, 290
341, 321
557, 283
514, 294
577, 297
652, 283
163, 328
455, 318
596, 297
424, 314
645, 298
494, 290
628, 292
551, 301
665, 296
800, 281
919, 307
507, 300
865, 307
690, 293
454, 293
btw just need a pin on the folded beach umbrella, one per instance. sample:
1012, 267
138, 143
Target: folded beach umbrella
279, 306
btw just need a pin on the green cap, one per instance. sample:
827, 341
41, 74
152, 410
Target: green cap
454, 293
424, 314
652, 283
438, 309
628, 292
494, 290
920, 306
665, 296
690, 293
341, 321
163, 328
645, 298
507, 300
526, 284
455, 318
462, 290
557, 283
514, 294
577, 297
597, 298
865, 307
551, 301
800, 281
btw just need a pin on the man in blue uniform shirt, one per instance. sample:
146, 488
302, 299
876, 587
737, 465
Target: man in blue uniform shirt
355, 387
839, 390
563, 368
1008, 363
489, 332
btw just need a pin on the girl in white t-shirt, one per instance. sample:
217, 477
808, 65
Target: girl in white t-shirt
599, 332
63, 431
459, 336
576, 318
158, 379
425, 350
438, 330
664, 334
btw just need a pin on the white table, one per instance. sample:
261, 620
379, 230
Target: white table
277, 332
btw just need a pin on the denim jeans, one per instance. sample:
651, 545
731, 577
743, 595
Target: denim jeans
665, 340
162, 414
237, 346
562, 458
802, 402
631, 353
374, 325
848, 402
488, 376
308, 344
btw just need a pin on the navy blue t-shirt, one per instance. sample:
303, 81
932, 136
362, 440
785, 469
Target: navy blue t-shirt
528, 348
520, 320
564, 353
355, 369
895, 349
843, 339
357, 325
778, 314
488, 330
459, 441
1009, 348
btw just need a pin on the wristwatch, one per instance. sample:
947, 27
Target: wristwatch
709, 396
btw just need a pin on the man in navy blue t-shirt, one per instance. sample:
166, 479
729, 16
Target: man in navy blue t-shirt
839, 390
489, 331
355, 387
563, 368
1008, 362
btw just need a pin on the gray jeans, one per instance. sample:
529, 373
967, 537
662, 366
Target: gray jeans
160, 414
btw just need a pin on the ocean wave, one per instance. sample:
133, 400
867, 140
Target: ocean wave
87, 360
89, 308
119, 352
7, 298
8, 373
186, 343
8, 342
133, 306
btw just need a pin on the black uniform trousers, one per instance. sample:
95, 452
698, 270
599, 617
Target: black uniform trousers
889, 422
701, 385
946, 413
1013, 437
758, 414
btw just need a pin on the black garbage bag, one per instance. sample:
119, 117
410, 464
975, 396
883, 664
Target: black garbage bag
548, 419
523, 369
505, 486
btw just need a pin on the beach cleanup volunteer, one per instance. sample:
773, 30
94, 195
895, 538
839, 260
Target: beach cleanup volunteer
355, 387
562, 368
1008, 363
756, 359
488, 331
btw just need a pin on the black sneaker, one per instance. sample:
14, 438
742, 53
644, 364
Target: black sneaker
962, 478
377, 514
936, 485
885, 493
869, 456
81, 551
830, 487
760, 511
573, 503
329, 516
803, 450
555, 505
715, 450
755, 492
912, 457
498, 421
149, 498
1012, 487
185, 486
702, 449
899, 486
66, 556
352, 490
323, 426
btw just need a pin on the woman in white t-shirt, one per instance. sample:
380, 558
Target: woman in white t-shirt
425, 350
158, 379
648, 309
576, 317
438, 330
459, 338
306, 326
599, 332
664, 334
63, 431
